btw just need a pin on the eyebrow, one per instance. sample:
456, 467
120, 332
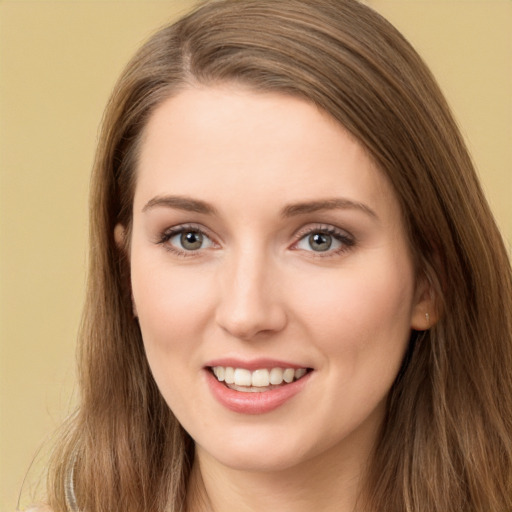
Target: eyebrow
326, 204
180, 203
196, 205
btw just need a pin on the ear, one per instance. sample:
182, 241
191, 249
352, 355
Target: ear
119, 236
120, 239
425, 312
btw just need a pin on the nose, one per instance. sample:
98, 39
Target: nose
250, 302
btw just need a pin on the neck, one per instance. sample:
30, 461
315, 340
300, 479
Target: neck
331, 483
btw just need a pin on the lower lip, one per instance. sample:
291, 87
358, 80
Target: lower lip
254, 402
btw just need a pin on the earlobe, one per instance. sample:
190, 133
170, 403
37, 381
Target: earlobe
119, 236
422, 321
424, 315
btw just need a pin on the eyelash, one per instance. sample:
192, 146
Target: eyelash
346, 240
177, 230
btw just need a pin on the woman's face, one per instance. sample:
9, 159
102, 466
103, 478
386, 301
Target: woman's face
266, 248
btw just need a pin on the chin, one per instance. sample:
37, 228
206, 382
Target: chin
258, 461
259, 452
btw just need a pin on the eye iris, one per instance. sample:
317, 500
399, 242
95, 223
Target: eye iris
191, 240
320, 241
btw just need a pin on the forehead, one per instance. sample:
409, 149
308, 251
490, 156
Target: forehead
229, 143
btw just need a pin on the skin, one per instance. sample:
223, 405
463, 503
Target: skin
258, 287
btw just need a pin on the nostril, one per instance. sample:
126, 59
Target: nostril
248, 324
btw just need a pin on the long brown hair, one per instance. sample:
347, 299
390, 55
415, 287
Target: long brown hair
446, 441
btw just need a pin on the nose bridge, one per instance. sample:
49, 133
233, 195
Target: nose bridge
249, 302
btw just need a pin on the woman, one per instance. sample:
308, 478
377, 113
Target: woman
298, 296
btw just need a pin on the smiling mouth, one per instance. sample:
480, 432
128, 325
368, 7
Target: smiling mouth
257, 381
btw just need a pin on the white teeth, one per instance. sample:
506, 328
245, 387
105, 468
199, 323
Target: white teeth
276, 376
300, 373
219, 372
288, 375
229, 375
243, 377
261, 378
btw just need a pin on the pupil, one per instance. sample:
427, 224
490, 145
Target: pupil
191, 240
320, 241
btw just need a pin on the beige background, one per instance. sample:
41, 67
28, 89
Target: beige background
58, 63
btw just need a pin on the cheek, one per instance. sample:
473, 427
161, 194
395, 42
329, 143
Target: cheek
359, 309
171, 306
359, 322
169, 301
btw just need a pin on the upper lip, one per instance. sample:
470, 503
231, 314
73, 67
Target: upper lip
253, 364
